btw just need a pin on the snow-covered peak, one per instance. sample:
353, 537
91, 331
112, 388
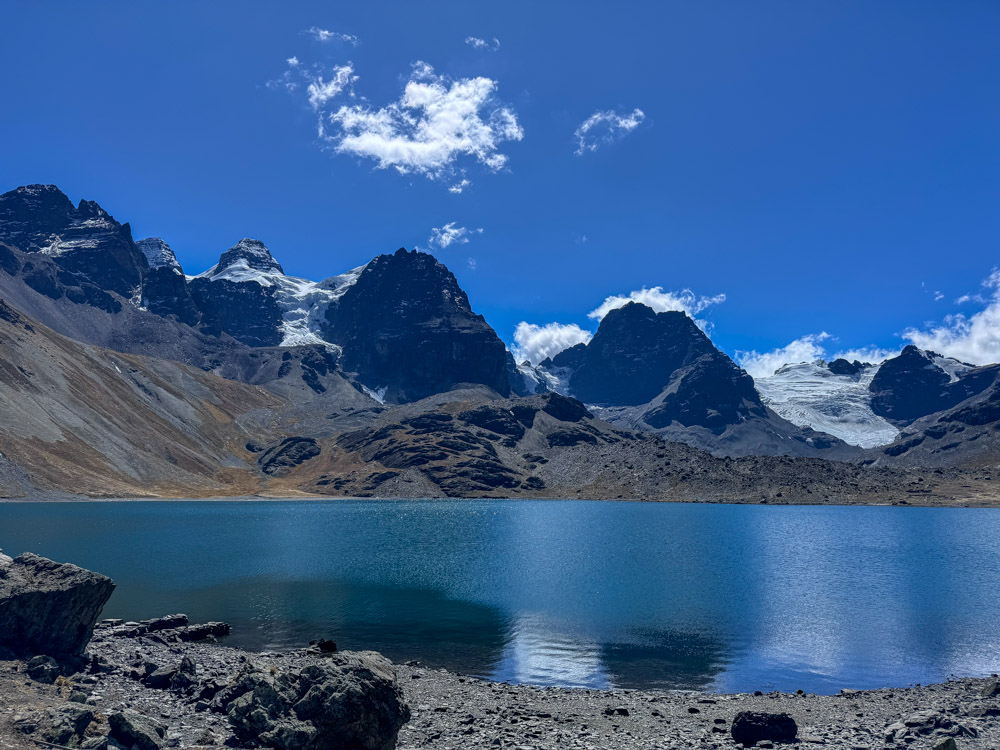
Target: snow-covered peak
247, 260
158, 253
808, 394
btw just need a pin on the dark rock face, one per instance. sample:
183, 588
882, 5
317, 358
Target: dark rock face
85, 241
165, 289
406, 324
347, 702
914, 385
289, 453
246, 309
638, 354
750, 727
850, 369
48, 607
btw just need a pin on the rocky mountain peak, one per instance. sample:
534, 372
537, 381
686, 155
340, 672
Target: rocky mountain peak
158, 253
919, 382
634, 353
251, 253
407, 325
86, 241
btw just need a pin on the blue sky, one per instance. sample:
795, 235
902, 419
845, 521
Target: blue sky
828, 167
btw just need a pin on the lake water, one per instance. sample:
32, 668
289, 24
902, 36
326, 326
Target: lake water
597, 594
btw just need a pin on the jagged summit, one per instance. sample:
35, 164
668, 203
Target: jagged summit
242, 260
158, 253
85, 240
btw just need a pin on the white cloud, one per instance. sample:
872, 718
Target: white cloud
606, 127
324, 35
493, 45
808, 348
293, 62
659, 300
435, 122
459, 186
471, 262
450, 234
805, 349
320, 91
975, 338
534, 343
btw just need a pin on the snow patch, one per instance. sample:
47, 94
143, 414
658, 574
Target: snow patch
303, 303
378, 394
952, 367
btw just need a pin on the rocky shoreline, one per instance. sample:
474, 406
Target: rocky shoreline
449, 710
68, 681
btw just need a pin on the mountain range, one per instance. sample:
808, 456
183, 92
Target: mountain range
123, 375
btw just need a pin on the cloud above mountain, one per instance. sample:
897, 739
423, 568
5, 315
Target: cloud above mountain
537, 342
969, 338
436, 123
660, 300
807, 348
451, 234
605, 127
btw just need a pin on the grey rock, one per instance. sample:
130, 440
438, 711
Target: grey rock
48, 607
60, 725
924, 723
346, 701
42, 669
992, 689
161, 678
948, 743
137, 731
751, 727
186, 676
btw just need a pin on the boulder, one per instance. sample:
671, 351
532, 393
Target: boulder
48, 607
992, 689
350, 701
136, 731
60, 725
751, 727
42, 669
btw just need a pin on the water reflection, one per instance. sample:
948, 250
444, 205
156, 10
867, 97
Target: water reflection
570, 593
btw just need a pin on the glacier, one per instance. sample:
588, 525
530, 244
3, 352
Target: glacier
807, 394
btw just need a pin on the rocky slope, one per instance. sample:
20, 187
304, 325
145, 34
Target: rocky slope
80, 419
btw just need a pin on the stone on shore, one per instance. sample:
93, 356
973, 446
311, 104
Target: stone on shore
134, 730
923, 724
348, 701
49, 608
751, 727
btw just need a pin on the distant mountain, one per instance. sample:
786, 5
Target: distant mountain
660, 372
355, 347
